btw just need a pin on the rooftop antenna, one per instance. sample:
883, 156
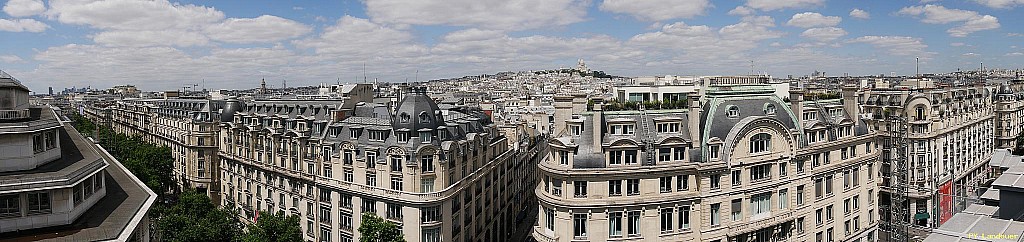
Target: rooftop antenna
417, 75
364, 72
751, 67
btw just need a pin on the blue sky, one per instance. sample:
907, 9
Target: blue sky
161, 45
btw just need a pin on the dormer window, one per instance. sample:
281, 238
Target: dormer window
769, 109
622, 129
404, 118
713, 151
669, 127
402, 136
425, 136
424, 118
733, 112
575, 129
355, 132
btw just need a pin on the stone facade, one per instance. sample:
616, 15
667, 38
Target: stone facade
740, 164
440, 174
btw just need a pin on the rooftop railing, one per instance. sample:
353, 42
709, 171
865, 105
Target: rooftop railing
14, 114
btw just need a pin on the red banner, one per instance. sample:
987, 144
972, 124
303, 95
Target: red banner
945, 202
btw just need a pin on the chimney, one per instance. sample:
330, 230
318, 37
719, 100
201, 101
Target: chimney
796, 97
693, 120
850, 103
597, 126
563, 110
579, 103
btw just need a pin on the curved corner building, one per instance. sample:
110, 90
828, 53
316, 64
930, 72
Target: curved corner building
738, 164
56, 185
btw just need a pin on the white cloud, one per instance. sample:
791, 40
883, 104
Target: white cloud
1015, 34
1000, 3
24, 8
22, 25
858, 13
657, 10
10, 58
896, 45
826, 34
812, 19
970, 21
956, 44
133, 15
265, 28
741, 11
769, 5
1015, 54
143, 38
970, 54
356, 37
491, 14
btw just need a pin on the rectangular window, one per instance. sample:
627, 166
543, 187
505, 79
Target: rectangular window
684, 217
666, 220
828, 212
396, 182
664, 154
682, 182
736, 179
10, 205
615, 224
783, 199
819, 216
579, 225
371, 179
430, 215
800, 195
828, 185
615, 188
369, 206
396, 163
634, 224
51, 140
633, 187
580, 189
427, 163
800, 225
782, 169
760, 204
737, 209
716, 181
716, 217
760, 172
549, 215
665, 184
432, 235
427, 185
348, 175
818, 188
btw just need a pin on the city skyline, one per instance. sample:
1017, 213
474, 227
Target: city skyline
163, 45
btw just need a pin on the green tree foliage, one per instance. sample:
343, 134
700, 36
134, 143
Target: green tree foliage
195, 218
376, 229
274, 227
152, 164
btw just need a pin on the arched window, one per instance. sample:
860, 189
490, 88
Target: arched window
760, 143
733, 112
769, 109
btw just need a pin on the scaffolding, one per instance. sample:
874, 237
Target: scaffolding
894, 157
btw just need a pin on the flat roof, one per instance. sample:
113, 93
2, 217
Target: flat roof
70, 168
977, 227
114, 217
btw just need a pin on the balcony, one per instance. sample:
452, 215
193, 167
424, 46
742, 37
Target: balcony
14, 114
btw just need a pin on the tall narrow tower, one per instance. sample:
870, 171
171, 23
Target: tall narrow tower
263, 85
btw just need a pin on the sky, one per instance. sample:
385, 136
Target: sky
166, 45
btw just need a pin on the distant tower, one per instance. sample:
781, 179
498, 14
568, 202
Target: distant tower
284, 84
263, 85
582, 67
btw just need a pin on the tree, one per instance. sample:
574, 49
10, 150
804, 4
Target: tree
195, 218
273, 227
376, 229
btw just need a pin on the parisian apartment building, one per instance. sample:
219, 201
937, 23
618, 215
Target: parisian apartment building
441, 173
56, 184
737, 163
